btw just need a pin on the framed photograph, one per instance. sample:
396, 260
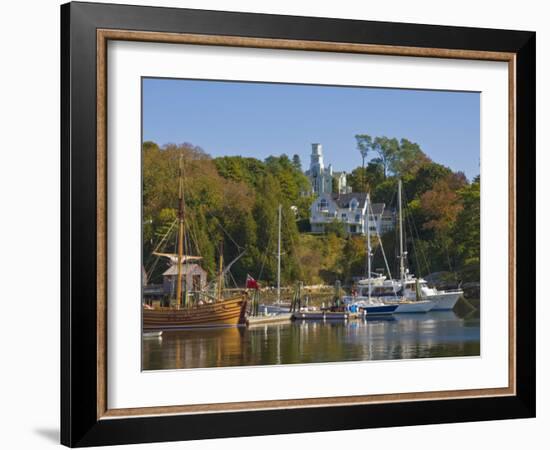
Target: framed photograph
277, 224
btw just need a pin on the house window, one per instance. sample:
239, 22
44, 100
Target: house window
353, 229
357, 217
344, 216
353, 205
323, 205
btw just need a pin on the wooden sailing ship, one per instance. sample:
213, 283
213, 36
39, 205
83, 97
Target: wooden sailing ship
210, 311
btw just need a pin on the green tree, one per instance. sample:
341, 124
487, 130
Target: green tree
466, 232
365, 144
387, 150
234, 200
408, 159
336, 227
297, 163
365, 180
353, 257
424, 180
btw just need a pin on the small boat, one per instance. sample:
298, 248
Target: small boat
152, 335
268, 319
274, 308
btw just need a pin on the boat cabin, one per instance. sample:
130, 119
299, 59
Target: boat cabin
193, 278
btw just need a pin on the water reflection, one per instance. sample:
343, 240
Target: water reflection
402, 336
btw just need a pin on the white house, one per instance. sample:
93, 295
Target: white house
321, 177
351, 210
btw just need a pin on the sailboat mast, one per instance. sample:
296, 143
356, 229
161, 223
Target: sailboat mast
368, 245
401, 255
279, 259
179, 296
220, 275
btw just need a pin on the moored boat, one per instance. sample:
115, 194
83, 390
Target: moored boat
152, 335
389, 292
413, 288
226, 312
409, 294
202, 310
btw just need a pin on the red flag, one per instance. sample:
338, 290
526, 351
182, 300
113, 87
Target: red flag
251, 283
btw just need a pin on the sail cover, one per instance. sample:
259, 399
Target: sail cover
173, 257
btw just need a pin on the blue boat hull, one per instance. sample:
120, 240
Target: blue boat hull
377, 310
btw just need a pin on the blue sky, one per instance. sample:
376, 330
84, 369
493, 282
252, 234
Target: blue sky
262, 119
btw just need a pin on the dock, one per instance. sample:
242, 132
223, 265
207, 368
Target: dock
269, 318
325, 315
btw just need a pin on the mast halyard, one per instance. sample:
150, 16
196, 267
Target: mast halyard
279, 259
181, 234
401, 254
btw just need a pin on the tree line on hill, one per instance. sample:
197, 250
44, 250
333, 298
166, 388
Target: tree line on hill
232, 201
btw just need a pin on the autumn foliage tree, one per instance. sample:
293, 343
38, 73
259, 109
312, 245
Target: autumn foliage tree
232, 203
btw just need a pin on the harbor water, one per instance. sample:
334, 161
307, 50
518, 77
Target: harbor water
400, 336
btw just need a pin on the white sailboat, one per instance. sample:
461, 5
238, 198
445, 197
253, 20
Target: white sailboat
278, 307
366, 301
379, 290
413, 294
415, 289
407, 304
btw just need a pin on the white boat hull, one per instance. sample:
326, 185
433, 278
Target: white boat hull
415, 307
445, 301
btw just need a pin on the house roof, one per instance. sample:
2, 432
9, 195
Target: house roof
343, 200
377, 208
185, 269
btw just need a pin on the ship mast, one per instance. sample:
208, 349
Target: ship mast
220, 273
181, 217
401, 254
279, 259
368, 246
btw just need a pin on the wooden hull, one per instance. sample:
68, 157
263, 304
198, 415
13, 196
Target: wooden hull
228, 312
